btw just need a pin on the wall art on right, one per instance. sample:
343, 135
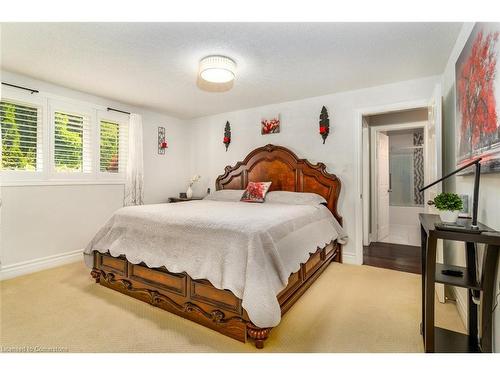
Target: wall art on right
477, 78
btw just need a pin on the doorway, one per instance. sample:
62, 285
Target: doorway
398, 174
396, 171
432, 170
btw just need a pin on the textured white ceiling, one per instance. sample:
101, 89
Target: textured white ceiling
155, 65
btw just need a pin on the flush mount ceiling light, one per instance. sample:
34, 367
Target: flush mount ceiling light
217, 69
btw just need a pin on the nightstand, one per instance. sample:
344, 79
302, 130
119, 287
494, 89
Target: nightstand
176, 199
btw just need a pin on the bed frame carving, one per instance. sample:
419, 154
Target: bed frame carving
199, 300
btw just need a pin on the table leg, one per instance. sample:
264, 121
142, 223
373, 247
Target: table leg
490, 260
430, 264
423, 251
471, 269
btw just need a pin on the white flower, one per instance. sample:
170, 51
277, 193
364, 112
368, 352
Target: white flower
194, 179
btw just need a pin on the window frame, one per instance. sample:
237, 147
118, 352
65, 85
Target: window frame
26, 99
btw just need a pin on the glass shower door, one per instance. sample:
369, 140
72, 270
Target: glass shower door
401, 179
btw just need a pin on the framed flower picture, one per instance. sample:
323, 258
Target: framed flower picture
270, 125
478, 98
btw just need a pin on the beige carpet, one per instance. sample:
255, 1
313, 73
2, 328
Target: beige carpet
348, 309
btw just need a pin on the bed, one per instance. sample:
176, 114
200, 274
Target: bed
239, 294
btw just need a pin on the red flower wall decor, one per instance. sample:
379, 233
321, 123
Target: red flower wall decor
270, 126
477, 99
324, 124
227, 135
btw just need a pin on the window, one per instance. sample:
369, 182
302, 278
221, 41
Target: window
21, 135
75, 142
71, 143
109, 147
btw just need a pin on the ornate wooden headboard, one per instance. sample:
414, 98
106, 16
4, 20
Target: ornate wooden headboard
286, 171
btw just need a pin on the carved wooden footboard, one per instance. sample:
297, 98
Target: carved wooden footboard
199, 300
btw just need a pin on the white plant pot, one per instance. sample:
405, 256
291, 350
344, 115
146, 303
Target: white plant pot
449, 216
189, 193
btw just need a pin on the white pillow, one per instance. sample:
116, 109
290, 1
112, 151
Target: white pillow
227, 195
292, 197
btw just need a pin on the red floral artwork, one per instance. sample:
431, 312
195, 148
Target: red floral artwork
270, 126
477, 116
255, 192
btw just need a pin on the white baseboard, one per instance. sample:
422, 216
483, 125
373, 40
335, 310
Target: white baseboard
461, 305
350, 259
39, 264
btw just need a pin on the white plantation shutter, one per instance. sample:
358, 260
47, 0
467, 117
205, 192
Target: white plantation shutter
72, 146
113, 146
45, 139
21, 135
123, 147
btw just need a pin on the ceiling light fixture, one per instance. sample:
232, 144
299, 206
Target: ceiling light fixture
217, 69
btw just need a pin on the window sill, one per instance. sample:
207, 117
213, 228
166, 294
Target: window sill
60, 182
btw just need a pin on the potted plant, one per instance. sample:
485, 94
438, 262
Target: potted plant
449, 206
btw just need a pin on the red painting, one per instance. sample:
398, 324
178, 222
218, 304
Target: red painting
270, 126
478, 98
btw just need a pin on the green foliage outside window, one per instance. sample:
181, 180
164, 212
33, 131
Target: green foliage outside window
68, 147
19, 131
110, 145
19, 136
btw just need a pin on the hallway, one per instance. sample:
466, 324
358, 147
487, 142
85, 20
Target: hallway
393, 256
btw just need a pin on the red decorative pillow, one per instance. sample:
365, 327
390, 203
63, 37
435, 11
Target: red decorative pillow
255, 192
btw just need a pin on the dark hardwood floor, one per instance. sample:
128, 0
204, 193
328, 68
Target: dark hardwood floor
393, 256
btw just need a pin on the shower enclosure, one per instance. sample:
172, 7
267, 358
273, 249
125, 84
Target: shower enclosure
406, 170
406, 176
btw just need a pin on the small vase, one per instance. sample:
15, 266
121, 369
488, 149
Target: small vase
189, 193
449, 216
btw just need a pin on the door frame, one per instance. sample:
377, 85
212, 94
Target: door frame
358, 158
373, 236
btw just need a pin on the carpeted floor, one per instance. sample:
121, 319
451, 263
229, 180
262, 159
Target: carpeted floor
366, 309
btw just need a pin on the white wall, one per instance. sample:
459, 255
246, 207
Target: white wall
398, 117
489, 192
398, 140
299, 132
46, 222
41, 221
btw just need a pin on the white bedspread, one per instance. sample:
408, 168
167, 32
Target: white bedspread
249, 248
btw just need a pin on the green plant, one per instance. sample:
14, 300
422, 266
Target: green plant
448, 202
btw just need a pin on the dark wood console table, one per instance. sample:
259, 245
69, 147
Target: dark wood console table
442, 340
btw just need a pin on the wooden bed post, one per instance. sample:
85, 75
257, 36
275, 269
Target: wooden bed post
96, 274
258, 335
